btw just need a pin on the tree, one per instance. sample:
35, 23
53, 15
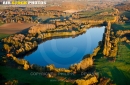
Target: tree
7, 48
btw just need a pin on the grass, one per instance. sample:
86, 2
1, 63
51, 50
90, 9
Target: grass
1, 24
119, 71
1, 45
93, 13
125, 26
3, 36
101, 17
24, 77
127, 14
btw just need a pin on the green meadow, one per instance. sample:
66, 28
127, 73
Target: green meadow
25, 78
1, 45
118, 71
117, 27
3, 36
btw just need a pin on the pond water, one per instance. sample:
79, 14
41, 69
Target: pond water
63, 52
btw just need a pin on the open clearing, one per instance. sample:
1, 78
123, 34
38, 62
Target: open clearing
12, 28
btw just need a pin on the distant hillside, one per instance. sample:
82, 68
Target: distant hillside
67, 6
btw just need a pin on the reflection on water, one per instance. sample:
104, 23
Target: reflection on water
62, 52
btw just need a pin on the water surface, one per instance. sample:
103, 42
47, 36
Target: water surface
63, 52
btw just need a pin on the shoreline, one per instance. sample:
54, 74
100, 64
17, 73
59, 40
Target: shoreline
52, 35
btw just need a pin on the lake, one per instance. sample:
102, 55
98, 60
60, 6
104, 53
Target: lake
63, 52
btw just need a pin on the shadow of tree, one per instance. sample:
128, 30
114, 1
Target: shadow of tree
119, 77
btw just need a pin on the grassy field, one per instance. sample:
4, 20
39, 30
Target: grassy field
93, 13
1, 45
101, 17
127, 14
1, 24
3, 35
25, 78
125, 26
118, 71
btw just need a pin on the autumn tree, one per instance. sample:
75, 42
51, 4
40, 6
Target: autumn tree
7, 48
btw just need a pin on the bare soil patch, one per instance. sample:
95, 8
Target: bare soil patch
12, 28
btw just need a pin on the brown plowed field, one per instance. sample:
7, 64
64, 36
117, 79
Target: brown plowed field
11, 28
